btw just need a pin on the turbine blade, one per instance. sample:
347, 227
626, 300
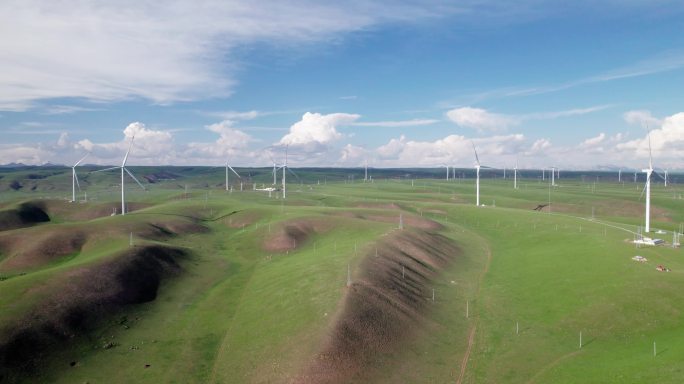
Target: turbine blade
236, 174
648, 180
82, 158
650, 158
292, 172
642, 192
76, 178
127, 152
136, 180
475, 150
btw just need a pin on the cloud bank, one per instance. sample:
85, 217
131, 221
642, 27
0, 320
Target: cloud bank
316, 140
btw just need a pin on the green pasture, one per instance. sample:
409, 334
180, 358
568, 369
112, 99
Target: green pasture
239, 313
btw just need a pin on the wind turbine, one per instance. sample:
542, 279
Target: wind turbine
447, 170
553, 176
620, 176
365, 175
236, 174
285, 174
74, 179
515, 175
647, 187
275, 169
477, 173
666, 178
124, 169
286, 169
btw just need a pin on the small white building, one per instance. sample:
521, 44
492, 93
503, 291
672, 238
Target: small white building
649, 241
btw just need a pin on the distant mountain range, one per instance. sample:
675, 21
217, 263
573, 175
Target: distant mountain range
22, 165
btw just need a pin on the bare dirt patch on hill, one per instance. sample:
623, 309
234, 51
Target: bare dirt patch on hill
382, 310
32, 251
77, 301
293, 234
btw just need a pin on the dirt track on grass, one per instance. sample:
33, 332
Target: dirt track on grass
382, 309
408, 220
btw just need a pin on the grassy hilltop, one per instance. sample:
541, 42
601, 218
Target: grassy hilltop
199, 284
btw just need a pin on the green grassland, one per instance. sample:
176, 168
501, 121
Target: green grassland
241, 313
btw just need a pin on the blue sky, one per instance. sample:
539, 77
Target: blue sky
398, 83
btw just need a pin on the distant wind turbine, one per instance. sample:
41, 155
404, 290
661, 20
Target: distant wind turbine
286, 169
74, 179
285, 174
124, 169
236, 174
275, 170
515, 175
447, 170
477, 173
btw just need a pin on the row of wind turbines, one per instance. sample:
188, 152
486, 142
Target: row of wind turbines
647, 186
76, 184
285, 169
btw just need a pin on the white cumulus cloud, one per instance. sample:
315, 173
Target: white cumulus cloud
641, 117
667, 142
594, 141
315, 128
150, 147
452, 149
231, 144
481, 119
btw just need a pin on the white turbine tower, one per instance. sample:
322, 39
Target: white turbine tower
124, 170
515, 175
647, 187
477, 174
553, 176
284, 174
365, 175
620, 176
74, 179
447, 171
275, 173
275, 170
